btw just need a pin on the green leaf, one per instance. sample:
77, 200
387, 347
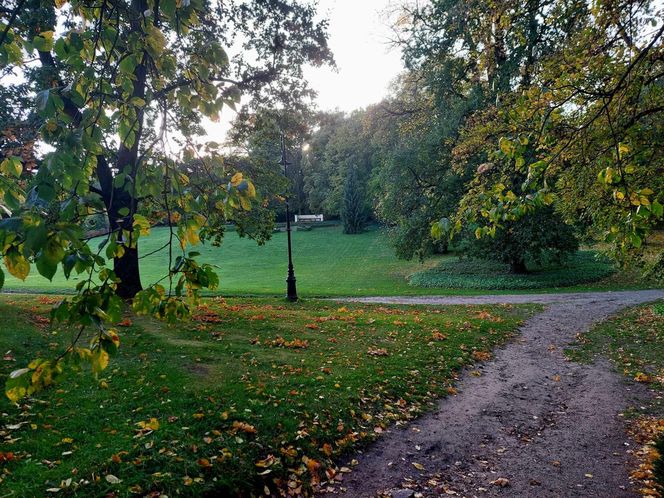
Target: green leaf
43, 41
46, 267
657, 209
12, 166
128, 64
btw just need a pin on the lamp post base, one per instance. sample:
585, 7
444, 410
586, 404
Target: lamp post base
291, 289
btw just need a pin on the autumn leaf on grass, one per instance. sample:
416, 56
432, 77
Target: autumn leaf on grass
436, 335
125, 323
643, 377
481, 355
111, 479
266, 463
204, 463
312, 467
294, 344
243, 427
147, 426
312, 326
377, 352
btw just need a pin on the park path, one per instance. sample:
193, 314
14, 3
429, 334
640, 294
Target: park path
532, 421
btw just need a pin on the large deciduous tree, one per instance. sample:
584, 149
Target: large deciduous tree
578, 120
122, 87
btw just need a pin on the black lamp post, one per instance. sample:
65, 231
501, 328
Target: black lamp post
291, 289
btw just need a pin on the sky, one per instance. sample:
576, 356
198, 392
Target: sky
359, 38
359, 35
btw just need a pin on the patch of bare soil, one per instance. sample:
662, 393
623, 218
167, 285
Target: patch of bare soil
531, 425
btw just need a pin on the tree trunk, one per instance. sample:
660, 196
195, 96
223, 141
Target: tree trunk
127, 270
518, 266
127, 267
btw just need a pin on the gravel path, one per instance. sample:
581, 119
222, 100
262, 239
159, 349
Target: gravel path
531, 425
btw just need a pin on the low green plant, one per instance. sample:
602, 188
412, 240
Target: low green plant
582, 267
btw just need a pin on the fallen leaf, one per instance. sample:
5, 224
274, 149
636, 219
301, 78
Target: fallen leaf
501, 482
111, 479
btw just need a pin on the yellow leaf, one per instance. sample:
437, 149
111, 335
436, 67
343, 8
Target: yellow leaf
17, 265
236, 179
418, 466
99, 360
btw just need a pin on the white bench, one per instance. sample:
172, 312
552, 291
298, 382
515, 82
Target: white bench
308, 217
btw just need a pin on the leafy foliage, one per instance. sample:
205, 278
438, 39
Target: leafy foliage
353, 208
537, 237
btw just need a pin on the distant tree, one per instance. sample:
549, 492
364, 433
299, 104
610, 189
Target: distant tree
256, 135
353, 209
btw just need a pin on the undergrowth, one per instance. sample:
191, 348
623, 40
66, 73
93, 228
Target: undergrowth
583, 267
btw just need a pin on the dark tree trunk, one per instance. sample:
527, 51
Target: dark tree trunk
126, 267
127, 270
518, 266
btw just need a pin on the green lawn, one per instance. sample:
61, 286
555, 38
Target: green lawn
252, 393
327, 263
583, 267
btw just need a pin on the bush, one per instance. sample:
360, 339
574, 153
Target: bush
579, 268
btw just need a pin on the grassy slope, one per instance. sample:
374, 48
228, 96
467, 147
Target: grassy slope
327, 263
199, 378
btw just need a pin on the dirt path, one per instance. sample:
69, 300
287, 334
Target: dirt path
549, 427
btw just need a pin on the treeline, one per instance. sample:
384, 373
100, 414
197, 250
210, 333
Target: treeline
516, 128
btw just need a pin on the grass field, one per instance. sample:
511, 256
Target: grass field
252, 393
327, 263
